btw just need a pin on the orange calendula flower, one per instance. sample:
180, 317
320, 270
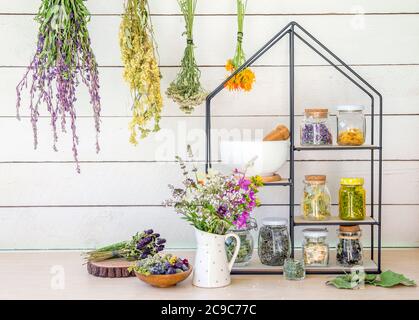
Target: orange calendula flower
242, 81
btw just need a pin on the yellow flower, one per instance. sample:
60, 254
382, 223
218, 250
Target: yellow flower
242, 81
173, 260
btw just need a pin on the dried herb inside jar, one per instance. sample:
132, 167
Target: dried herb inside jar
349, 248
246, 248
352, 195
274, 244
294, 269
316, 198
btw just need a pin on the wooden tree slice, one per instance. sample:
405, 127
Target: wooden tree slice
113, 268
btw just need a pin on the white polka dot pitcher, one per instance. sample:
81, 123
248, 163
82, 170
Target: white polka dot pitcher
212, 270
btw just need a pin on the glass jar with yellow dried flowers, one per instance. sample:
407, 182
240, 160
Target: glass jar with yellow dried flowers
316, 198
351, 125
141, 70
244, 79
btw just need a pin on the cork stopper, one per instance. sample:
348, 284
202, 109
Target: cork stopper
352, 228
316, 112
315, 179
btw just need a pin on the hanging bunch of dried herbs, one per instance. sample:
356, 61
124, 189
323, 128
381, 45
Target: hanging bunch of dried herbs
141, 68
186, 89
244, 79
63, 58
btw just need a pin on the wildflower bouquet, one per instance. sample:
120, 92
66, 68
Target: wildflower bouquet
186, 89
142, 245
244, 79
62, 59
160, 264
141, 69
214, 202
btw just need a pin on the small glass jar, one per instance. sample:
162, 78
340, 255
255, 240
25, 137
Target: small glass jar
246, 244
314, 128
349, 249
315, 247
315, 202
274, 242
351, 125
294, 269
352, 199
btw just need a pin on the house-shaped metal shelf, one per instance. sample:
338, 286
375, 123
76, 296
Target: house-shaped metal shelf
372, 264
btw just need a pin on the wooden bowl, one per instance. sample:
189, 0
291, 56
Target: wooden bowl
164, 280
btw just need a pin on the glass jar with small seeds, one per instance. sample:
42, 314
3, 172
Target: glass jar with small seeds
315, 247
274, 241
349, 250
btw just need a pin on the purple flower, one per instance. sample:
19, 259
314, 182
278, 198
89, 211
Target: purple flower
222, 210
149, 231
244, 183
160, 241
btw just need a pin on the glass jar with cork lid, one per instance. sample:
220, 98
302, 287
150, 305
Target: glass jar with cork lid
316, 200
349, 250
315, 129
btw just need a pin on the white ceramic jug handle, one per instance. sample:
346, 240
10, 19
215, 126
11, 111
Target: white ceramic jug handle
236, 250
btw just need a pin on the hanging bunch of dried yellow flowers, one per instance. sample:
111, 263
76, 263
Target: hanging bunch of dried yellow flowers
186, 89
141, 69
244, 79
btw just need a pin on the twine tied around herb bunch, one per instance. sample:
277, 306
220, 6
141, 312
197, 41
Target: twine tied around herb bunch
186, 90
244, 79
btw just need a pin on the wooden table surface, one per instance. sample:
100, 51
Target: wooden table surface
62, 275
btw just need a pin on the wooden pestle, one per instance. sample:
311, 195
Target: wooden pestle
281, 132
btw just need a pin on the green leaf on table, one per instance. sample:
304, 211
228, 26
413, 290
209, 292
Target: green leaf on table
343, 282
390, 279
370, 278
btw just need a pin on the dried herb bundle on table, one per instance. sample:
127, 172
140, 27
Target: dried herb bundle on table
63, 58
186, 89
244, 79
141, 69
142, 245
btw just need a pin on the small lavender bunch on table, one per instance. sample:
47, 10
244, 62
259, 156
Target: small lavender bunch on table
141, 245
62, 60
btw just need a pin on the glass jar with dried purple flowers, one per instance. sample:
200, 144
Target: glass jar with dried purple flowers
315, 129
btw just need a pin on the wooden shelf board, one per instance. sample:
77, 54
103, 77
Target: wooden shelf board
336, 147
283, 182
300, 221
256, 267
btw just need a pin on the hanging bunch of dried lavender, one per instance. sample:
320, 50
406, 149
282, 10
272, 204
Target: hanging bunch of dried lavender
63, 58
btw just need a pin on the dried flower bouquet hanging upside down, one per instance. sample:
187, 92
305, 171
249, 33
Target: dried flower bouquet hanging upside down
63, 58
244, 79
186, 89
141, 68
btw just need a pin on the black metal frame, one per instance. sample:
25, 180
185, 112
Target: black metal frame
291, 30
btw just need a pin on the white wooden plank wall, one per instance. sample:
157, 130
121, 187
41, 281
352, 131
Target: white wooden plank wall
44, 204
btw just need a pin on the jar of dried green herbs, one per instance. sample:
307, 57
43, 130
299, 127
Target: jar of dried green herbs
294, 269
246, 244
349, 248
315, 247
274, 241
316, 198
352, 199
